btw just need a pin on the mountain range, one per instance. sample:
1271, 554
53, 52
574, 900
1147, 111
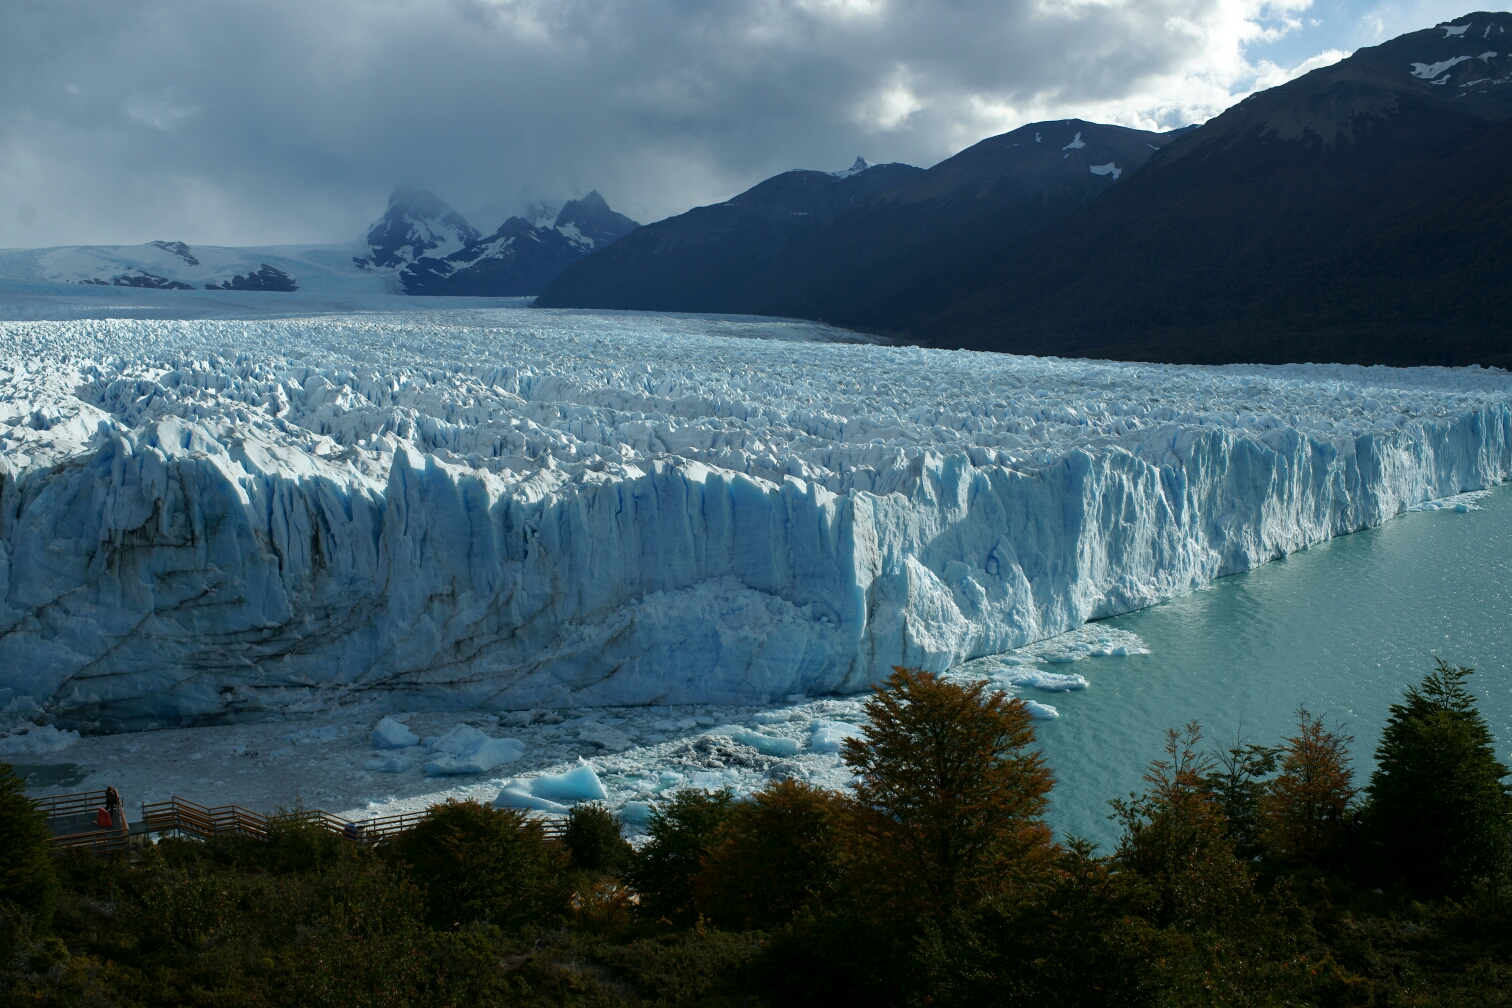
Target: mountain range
419, 245
1354, 214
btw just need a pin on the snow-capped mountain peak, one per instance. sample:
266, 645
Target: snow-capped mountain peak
416, 224
855, 169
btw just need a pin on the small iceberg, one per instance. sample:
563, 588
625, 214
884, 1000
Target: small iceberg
466, 750
767, 745
829, 736
547, 792
390, 734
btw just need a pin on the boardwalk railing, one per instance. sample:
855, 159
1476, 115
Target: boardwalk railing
187, 818
79, 803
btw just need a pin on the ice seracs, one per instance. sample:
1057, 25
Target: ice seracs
522, 510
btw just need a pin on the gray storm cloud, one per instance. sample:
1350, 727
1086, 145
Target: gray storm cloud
289, 121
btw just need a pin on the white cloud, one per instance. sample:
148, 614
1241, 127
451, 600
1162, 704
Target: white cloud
289, 121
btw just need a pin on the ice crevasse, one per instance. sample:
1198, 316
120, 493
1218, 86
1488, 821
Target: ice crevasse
573, 511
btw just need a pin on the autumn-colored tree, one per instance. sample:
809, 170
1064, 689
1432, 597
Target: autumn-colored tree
947, 794
1176, 838
1302, 810
775, 854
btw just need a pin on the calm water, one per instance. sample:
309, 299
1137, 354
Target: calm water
1340, 628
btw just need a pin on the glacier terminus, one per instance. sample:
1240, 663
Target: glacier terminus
225, 519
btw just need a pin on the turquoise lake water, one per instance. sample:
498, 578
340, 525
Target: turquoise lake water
1340, 628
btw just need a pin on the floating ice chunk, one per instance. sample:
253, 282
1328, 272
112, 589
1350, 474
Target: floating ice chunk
578, 784
767, 745
1054, 682
516, 794
35, 740
605, 737
715, 780
829, 736
637, 813
389, 764
390, 734
325, 733
777, 717
1041, 712
466, 750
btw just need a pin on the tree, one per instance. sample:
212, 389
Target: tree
1236, 785
1302, 810
954, 799
775, 854
594, 840
1439, 813
480, 863
682, 834
27, 879
1176, 838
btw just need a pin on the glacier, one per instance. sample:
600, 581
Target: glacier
228, 519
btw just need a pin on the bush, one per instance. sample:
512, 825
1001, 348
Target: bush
775, 855
27, 879
594, 840
682, 834
1438, 810
482, 864
954, 799
1074, 939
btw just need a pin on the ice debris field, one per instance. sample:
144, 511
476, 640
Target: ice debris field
634, 537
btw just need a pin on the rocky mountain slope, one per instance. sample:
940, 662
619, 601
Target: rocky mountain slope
523, 256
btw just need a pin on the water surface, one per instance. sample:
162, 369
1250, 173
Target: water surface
1340, 628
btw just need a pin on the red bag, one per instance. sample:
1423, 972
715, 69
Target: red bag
103, 819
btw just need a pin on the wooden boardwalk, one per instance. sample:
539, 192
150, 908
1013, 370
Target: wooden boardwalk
72, 820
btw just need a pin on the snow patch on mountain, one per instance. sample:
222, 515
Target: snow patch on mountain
1428, 71
1076, 144
1106, 169
856, 168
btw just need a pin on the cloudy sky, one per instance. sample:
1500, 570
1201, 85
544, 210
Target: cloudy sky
125, 121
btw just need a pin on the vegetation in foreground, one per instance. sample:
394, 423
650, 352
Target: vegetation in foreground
1253, 876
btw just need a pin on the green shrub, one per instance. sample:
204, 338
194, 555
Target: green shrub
594, 839
682, 834
483, 864
27, 879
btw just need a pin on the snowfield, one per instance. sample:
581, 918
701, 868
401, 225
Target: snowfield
225, 520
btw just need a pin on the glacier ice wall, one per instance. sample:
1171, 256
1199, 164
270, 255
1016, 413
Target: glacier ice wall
219, 519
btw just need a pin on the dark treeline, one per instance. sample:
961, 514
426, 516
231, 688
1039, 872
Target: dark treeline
1257, 875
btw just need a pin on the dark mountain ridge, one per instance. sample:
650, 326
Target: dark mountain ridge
701, 260
1356, 214
875, 259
